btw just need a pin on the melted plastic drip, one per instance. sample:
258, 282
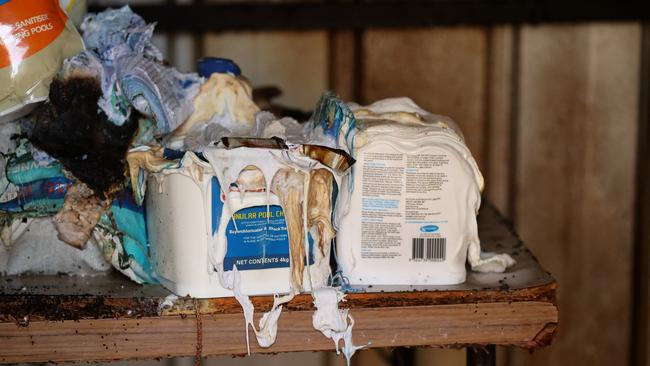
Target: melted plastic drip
305, 226
320, 225
326, 298
332, 321
229, 279
225, 168
289, 181
289, 185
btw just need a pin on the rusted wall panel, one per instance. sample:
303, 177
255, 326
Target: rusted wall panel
297, 62
441, 69
578, 117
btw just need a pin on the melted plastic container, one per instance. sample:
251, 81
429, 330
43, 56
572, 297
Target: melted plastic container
178, 231
200, 229
413, 198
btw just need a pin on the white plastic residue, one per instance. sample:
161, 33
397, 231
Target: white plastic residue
290, 178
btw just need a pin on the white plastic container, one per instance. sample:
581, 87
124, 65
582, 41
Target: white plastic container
180, 226
197, 233
413, 199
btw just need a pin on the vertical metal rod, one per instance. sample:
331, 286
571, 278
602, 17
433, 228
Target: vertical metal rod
359, 63
483, 356
640, 319
513, 152
170, 38
198, 40
331, 53
488, 79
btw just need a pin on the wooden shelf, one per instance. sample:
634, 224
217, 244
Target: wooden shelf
62, 318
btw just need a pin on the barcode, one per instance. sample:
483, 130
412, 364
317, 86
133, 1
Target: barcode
431, 249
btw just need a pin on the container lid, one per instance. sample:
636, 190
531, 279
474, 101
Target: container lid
209, 65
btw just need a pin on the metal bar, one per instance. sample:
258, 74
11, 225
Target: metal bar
359, 63
488, 77
198, 40
170, 38
640, 320
513, 133
318, 15
486, 356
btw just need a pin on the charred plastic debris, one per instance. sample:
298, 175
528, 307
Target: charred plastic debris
133, 165
70, 129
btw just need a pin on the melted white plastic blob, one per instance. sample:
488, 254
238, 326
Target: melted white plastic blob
225, 99
168, 302
268, 325
488, 261
332, 321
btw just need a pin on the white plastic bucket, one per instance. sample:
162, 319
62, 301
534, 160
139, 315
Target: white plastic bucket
193, 227
414, 195
179, 236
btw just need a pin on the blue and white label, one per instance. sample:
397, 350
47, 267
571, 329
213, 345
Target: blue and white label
257, 243
254, 242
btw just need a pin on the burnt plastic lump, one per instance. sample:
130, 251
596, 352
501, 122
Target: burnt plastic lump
72, 129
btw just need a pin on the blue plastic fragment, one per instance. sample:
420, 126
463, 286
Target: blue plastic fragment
209, 65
